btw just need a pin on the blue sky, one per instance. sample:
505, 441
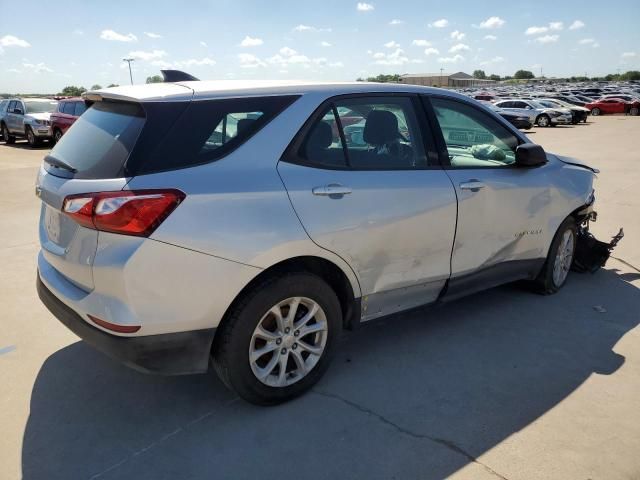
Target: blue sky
329, 40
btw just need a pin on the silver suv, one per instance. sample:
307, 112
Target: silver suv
28, 118
238, 222
539, 114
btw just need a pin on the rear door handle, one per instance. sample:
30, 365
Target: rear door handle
331, 189
473, 185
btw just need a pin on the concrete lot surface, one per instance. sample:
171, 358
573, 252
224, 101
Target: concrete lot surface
505, 384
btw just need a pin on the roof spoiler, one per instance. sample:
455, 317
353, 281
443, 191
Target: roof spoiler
177, 76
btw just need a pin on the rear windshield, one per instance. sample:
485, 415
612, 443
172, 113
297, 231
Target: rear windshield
115, 139
100, 141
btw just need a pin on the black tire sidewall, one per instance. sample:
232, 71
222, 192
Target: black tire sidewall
545, 278
232, 353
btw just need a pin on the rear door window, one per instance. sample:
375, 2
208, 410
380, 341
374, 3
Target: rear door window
79, 108
68, 108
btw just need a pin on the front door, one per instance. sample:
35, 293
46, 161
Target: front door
501, 207
361, 184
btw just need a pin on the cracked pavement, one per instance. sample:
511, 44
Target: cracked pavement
501, 385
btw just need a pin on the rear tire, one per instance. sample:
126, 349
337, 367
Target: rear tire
634, 111
251, 320
8, 138
57, 135
595, 112
556, 268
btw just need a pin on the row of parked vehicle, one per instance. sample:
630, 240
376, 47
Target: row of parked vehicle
38, 119
548, 106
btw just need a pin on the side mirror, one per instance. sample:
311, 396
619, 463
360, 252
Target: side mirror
530, 155
18, 111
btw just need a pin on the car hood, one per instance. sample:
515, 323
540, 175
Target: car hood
38, 116
575, 162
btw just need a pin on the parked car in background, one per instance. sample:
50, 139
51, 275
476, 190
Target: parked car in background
578, 114
613, 105
28, 118
65, 114
319, 233
626, 98
516, 119
4, 104
541, 115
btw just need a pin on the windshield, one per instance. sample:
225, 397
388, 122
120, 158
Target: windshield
40, 107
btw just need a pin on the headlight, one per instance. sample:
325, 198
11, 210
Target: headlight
42, 122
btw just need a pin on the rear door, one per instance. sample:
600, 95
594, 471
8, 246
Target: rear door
502, 209
97, 150
370, 192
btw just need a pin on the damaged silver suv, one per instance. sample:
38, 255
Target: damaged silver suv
244, 225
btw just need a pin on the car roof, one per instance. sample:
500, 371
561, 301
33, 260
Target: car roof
198, 90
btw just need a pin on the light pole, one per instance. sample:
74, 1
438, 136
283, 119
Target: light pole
129, 60
441, 70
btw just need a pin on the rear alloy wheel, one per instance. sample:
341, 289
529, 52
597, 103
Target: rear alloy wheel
278, 338
543, 121
57, 135
634, 111
8, 138
595, 112
560, 258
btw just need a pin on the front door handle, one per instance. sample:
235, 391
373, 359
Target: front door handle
331, 190
473, 185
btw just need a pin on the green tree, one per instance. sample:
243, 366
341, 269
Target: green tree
112, 85
155, 79
479, 74
384, 78
97, 86
523, 75
495, 77
72, 91
630, 75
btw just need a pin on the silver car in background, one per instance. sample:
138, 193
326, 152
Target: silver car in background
28, 118
233, 221
540, 114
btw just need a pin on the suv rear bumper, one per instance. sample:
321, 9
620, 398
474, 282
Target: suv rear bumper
167, 354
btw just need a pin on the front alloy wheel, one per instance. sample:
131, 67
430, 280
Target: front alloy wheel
288, 342
564, 258
544, 121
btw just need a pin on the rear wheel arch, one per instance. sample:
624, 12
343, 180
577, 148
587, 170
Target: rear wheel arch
326, 270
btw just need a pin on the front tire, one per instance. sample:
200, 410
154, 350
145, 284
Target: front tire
559, 260
31, 138
634, 111
278, 339
543, 120
595, 112
57, 135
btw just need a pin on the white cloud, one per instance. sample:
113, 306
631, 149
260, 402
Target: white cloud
325, 44
396, 57
117, 37
536, 30
78, 32
586, 41
490, 37
152, 35
556, 25
12, 41
309, 28
161, 64
492, 22
364, 7
37, 67
548, 39
431, 51
396, 21
442, 23
577, 24
456, 35
392, 44
14, 70
287, 52
203, 44
459, 47
421, 43
492, 61
629, 55
336, 64
251, 42
455, 59
248, 60
141, 55
287, 56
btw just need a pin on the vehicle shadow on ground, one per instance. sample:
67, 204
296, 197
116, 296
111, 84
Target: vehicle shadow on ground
25, 145
417, 395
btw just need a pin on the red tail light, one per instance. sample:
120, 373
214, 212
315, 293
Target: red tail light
135, 212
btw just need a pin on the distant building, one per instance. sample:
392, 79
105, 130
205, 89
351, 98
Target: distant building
459, 79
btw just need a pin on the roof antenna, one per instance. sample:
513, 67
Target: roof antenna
177, 76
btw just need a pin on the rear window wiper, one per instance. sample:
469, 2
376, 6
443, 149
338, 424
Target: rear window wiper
56, 163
